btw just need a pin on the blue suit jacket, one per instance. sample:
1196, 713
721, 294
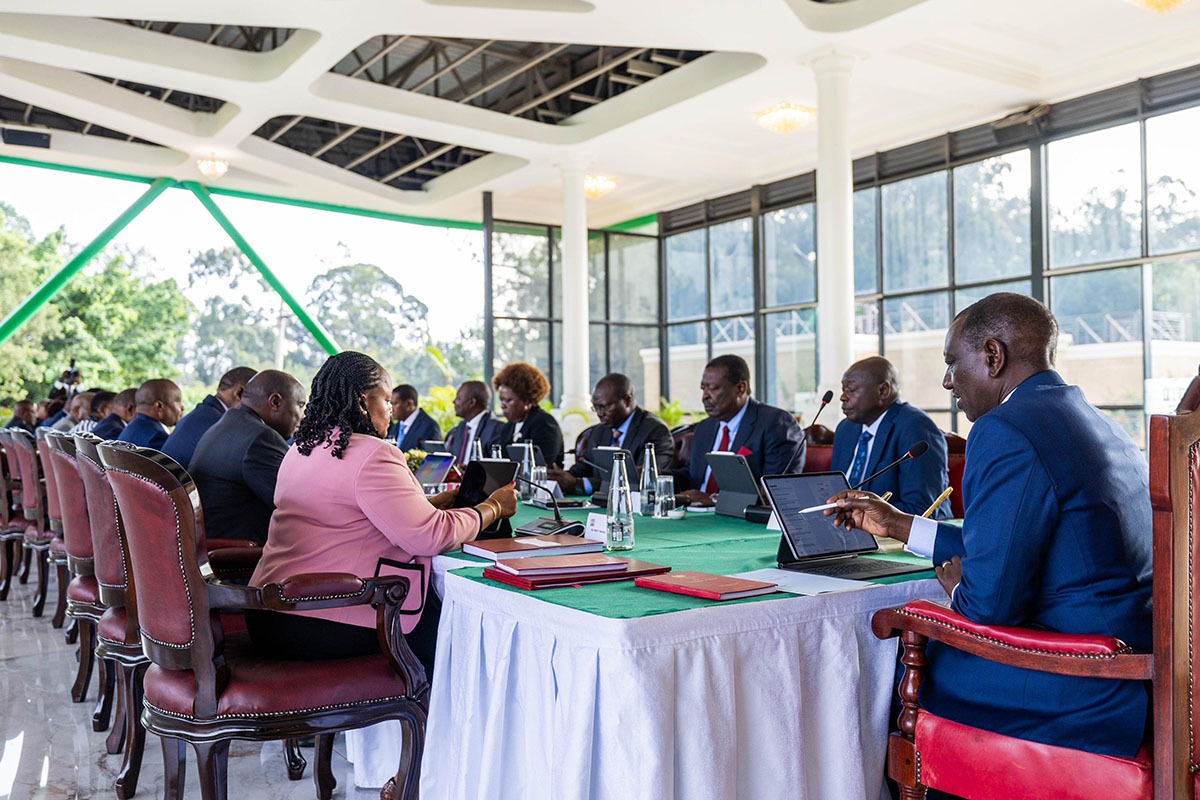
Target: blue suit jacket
144, 431
181, 444
917, 482
487, 432
423, 427
1057, 536
771, 435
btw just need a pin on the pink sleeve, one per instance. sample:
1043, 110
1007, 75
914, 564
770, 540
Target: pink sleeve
394, 502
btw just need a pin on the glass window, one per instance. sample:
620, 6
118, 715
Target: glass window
1174, 290
914, 335
520, 272
633, 351
1133, 422
790, 255
732, 260
973, 294
1173, 175
632, 278
866, 253
791, 338
991, 218
915, 233
596, 278
687, 346
597, 349
734, 335
1094, 185
522, 340
687, 287
866, 329
1100, 333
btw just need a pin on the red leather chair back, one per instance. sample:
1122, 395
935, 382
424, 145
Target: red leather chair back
818, 434
77, 527
33, 490
10, 481
819, 458
956, 463
581, 447
53, 511
165, 557
111, 554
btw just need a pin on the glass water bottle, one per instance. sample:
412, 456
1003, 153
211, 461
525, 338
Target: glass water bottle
620, 507
648, 485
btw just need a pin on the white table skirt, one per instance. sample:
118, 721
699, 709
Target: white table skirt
779, 699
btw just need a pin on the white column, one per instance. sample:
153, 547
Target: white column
576, 390
835, 219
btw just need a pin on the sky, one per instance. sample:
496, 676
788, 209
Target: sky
441, 266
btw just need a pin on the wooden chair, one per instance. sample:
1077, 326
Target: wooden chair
38, 534
57, 554
12, 532
956, 462
83, 593
929, 751
205, 693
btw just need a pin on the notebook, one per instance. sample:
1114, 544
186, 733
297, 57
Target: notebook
812, 542
555, 544
634, 569
709, 587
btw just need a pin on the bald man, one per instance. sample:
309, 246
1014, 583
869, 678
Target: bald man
159, 405
237, 460
880, 428
183, 440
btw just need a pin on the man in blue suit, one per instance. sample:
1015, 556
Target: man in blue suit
880, 428
768, 437
1057, 535
471, 403
159, 406
181, 444
412, 426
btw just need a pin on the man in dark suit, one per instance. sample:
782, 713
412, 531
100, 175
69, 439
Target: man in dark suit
24, 416
237, 460
1057, 535
878, 429
411, 426
159, 405
768, 437
622, 424
471, 403
182, 441
121, 412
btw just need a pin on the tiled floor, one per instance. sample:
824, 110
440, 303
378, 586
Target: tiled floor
48, 748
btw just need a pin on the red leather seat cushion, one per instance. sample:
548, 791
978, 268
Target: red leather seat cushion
112, 627
58, 546
259, 687
973, 763
83, 589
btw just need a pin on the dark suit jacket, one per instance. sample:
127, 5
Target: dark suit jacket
144, 431
487, 432
17, 422
183, 440
643, 427
1057, 536
423, 427
768, 437
539, 428
110, 427
917, 482
235, 466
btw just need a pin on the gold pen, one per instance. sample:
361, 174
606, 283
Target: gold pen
886, 496
929, 511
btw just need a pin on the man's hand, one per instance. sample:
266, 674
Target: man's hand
949, 574
695, 497
868, 512
566, 481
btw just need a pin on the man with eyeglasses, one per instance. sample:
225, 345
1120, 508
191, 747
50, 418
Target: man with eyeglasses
622, 424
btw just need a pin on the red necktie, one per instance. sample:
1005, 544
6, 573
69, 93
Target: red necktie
711, 486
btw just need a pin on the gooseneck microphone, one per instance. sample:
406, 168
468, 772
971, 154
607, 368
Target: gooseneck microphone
557, 514
825, 400
916, 450
544, 526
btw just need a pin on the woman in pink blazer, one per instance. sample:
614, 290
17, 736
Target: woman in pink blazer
345, 498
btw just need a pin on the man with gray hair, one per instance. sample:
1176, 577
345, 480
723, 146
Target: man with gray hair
880, 428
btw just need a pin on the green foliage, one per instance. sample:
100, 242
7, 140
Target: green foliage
673, 415
25, 366
438, 402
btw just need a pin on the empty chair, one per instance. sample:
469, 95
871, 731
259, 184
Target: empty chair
12, 529
57, 554
38, 534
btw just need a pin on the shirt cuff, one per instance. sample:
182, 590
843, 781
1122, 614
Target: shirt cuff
921, 537
587, 486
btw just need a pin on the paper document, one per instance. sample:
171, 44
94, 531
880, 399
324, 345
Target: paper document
803, 582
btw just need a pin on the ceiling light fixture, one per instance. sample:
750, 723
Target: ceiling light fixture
212, 167
596, 186
785, 118
1158, 6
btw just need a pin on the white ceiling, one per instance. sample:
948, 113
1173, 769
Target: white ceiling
926, 67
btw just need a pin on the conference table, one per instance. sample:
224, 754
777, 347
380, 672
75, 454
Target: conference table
615, 691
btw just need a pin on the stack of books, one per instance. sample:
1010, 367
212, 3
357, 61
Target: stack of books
555, 544
710, 587
549, 572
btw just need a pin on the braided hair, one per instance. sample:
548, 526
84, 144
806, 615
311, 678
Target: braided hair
335, 403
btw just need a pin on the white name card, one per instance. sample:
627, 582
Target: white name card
597, 528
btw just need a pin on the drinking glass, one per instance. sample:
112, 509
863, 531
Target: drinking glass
664, 496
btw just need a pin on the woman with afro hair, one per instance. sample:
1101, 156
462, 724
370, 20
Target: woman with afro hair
521, 387
346, 498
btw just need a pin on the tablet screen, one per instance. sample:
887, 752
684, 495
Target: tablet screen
813, 534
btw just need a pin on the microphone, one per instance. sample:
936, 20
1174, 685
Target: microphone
825, 400
594, 465
916, 450
543, 526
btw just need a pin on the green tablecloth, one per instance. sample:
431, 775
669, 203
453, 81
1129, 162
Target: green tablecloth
703, 542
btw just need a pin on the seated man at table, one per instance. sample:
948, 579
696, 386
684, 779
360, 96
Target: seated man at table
1057, 535
471, 404
768, 437
24, 416
159, 405
121, 412
182, 441
880, 428
622, 424
237, 460
412, 427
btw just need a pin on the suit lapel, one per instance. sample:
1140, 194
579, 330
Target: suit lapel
631, 440
880, 444
746, 427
